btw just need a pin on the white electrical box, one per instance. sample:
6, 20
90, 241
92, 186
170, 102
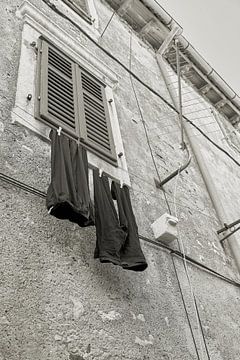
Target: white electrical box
165, 228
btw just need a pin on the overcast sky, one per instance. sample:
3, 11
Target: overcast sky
213, 28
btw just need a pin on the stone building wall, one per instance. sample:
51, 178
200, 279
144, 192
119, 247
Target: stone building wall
57, 302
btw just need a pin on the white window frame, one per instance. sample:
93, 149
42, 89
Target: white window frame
36, 24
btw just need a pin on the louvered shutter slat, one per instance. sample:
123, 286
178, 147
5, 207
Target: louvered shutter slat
90, 111
59, 108
96, 128
93, 104
95, 124
97, 131
63, 118
58, 100
55, 96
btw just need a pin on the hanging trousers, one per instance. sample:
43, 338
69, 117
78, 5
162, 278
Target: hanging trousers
68, 193
117, 234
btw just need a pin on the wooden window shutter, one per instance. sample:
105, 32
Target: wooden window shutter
58, 93
95, 126
70, 97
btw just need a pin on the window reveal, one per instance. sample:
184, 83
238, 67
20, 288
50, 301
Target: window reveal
80, 7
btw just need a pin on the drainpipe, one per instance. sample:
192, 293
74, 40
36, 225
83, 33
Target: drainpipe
234, 242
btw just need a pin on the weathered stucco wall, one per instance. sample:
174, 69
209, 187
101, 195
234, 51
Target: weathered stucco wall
57, 302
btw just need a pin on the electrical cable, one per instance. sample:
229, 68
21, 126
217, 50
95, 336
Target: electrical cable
190, 260
193, 295
108, 23
179, 240
200, 323
143, 121
22, 185
175, 192
60, 13
185, 308
39, 193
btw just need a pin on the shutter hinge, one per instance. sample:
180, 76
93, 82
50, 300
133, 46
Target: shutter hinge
33, 44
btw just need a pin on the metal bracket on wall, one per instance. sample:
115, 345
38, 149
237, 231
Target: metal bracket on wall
228, 227
183, 144
159, 184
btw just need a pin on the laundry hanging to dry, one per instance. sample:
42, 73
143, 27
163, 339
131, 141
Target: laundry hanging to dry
68, 197
117, 234
68, 194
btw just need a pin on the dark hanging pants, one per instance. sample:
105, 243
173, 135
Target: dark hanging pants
117, 237
110, 236
68, 193
132, 257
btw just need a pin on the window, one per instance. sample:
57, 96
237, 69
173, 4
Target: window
80, 7
32, 82
70, 97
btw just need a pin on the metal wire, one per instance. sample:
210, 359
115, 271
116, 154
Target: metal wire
185, 308
108, 23
194, 297
180, 95
143, 121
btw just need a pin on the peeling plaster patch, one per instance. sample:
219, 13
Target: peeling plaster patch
105, 335
57, 337
216, 247
71, 338
112, 315
144, 342
4, 320
1, 127
133, 315
199, 243
141, 317
78, 308
206, 328
167, 321
27, 148
8, 166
